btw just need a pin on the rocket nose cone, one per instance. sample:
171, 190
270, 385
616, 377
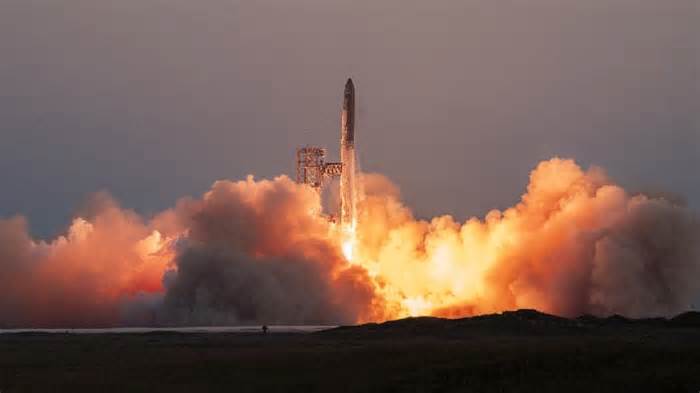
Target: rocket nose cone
349, 96
349, 85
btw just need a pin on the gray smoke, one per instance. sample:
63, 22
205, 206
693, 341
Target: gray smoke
254, 255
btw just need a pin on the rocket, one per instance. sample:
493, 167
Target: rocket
347, 156
347, 118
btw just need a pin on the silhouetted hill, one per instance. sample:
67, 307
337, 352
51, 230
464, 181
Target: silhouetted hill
516, 351
620, 321
687, 319
524, 322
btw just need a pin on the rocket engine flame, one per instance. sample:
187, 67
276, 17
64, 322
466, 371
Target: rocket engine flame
257, 251
349, 240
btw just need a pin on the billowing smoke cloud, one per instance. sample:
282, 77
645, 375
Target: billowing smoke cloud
260, 252
82, 278
576, 243
246, 252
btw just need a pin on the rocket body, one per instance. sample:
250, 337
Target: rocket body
347, 135
348, 193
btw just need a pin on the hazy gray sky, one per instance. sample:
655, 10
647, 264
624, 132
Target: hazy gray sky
458, 100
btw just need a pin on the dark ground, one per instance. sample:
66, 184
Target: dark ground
522, 351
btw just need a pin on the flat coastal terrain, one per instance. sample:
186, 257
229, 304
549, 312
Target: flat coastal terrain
521, 351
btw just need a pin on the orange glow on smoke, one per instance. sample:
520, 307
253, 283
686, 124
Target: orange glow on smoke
556, 251
575, 243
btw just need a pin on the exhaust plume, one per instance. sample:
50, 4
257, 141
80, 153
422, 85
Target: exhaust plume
576, 243
81, 278
259, 251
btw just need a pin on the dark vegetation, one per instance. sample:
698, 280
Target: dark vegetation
522, 351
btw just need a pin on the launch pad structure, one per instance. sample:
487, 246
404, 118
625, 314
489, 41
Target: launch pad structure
312, 169
315, 172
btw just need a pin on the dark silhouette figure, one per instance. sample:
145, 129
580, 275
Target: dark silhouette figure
264, 329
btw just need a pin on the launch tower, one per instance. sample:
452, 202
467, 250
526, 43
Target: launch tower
313, 171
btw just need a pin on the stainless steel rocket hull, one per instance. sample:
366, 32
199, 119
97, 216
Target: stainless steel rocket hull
347, 156
347, 137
